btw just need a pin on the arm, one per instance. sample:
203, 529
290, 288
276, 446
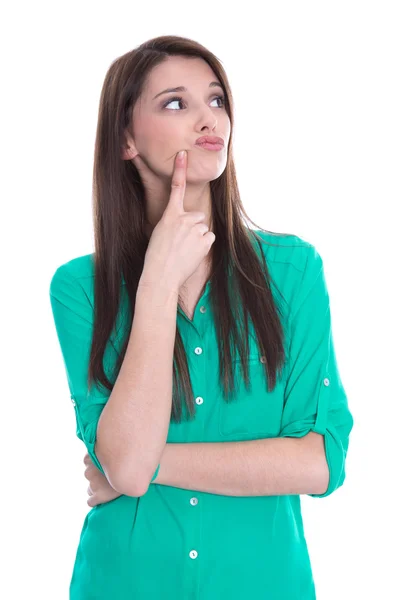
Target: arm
127, 426
314, 396
133, 426
264, 467
310, 453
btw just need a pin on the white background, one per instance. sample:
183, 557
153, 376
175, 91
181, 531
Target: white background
313, 85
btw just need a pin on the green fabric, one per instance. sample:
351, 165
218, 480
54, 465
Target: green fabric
178, 544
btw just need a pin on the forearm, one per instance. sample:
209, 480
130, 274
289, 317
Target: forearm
133, 426
264, 467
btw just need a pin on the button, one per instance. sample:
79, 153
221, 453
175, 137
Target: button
194, 501
262, 359
198, 350
193, 554
73, 402
199, 400
202, 309
326, 381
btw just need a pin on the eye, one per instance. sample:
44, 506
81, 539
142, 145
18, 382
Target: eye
179, 99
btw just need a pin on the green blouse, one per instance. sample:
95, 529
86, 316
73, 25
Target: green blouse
177, 544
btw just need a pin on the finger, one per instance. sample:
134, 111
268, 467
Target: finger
87, 459
88, 473
178, 184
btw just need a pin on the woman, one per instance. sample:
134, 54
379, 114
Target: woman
195, 481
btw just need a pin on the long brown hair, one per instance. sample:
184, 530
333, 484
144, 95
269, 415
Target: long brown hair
121, 243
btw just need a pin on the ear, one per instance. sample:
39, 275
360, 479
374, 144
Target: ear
129, 150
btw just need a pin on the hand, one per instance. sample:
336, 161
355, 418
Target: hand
100, 491
180, 240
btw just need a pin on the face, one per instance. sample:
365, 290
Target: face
163, 126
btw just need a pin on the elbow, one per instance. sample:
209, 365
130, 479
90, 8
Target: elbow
123, 480
129, 485
135, 485
127, 481
125, 485
130, 480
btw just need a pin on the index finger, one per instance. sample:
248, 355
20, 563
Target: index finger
178, 183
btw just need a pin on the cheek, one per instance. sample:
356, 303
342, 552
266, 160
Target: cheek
160, 141
148, 132
166, 140
152, 128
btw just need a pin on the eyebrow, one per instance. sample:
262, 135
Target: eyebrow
184, 89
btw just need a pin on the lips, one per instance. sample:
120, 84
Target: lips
210, 139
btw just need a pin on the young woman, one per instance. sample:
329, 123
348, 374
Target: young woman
199, 355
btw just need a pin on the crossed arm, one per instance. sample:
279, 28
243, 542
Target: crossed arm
269, 466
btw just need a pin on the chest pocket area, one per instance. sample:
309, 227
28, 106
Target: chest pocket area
253, 412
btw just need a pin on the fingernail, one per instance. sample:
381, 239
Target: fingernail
181, 154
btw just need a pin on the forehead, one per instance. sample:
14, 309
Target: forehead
177, 71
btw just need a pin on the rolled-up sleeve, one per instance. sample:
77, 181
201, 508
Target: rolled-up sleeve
314, 396
73, 315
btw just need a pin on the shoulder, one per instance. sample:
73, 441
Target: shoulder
74, 278
287, 248
294, 263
